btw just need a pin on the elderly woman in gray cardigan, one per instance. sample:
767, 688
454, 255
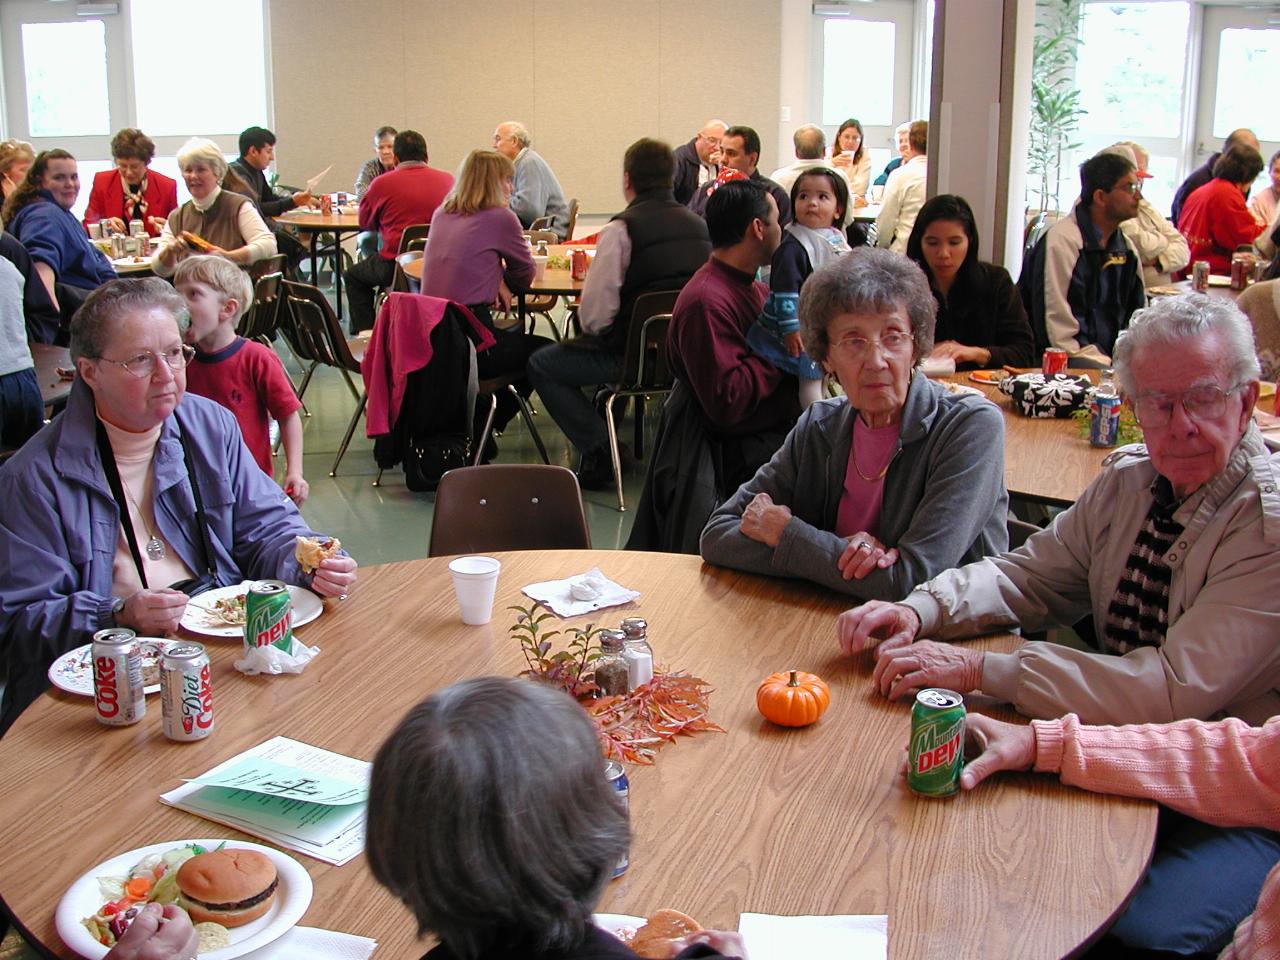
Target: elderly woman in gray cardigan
879, 490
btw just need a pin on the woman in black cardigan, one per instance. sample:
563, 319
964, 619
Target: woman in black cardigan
981, 320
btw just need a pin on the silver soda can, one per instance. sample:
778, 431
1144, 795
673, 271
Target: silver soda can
186, 695
119, 246
617, 777
117, 677
137, 228
1200, 275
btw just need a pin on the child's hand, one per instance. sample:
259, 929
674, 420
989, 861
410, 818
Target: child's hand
793, 343
297, 488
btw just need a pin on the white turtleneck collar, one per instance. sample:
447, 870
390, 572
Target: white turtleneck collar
207, 202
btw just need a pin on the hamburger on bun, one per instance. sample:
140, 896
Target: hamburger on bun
311, 552
195, 240
230, 887
654, 938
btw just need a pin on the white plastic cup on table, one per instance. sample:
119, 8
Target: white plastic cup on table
877, 192
95, 231
475, 581
539, 267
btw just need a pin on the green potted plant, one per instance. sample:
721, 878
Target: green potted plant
1055, 99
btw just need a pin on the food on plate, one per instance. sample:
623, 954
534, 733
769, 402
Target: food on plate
152, 879
230, 887
654, 938
311, 551
987, 376
227, 610
213, 936
197, 241
793, 698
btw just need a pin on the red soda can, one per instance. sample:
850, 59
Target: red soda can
117, 677
186, 694
1053, 361
578, 264
1241, 267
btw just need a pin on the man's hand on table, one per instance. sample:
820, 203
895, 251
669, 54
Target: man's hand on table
902, 670
863, 554
876, 624
999, 745
149, 939
960, 353
303, 199
153, 613
763, 520
335, 577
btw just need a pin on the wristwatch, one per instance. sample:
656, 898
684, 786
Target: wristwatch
117, 605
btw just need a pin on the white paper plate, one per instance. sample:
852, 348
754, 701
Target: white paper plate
83, 899
613, 922
129, 265
1218, 280
73, 671
306, 607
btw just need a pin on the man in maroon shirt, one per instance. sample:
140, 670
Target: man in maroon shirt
731, 408
399, 198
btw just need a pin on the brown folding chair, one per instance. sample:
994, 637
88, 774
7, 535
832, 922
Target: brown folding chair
644, 371
263, 316
508, 506
272, 264
325, 336
572, 220
414, 237
400, 281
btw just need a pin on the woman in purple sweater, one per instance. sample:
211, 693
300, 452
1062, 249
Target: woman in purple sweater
477, 255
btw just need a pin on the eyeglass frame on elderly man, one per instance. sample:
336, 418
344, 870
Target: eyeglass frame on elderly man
178, 358
1211, 404
714, 141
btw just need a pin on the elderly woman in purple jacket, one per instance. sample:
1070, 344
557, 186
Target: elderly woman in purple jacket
134, 498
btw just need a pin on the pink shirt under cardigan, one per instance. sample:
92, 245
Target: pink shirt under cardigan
871, 451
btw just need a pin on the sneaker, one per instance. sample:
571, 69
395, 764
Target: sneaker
595, 471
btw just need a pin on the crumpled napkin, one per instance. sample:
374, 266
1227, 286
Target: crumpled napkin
856, 937
581, 594
272, 660
940, 367
312, 943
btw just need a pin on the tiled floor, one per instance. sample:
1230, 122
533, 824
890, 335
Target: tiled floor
389, 522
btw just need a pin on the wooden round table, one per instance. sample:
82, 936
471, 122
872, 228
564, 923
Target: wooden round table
760, 818
313, 223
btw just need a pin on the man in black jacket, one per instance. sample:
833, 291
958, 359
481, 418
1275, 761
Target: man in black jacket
698, 160
654, 244
257, 153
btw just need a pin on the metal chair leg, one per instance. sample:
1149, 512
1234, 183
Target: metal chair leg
528, 419
613, 451
483, 439
377, 481
351, 429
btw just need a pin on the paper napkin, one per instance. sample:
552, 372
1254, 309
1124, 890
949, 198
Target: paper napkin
580, 595
312, 943
850, 937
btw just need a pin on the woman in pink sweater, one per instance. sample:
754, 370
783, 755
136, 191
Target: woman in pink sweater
1226, 773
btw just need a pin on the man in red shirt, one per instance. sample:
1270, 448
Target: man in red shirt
399, 198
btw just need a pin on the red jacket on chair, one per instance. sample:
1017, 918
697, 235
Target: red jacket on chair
106, 199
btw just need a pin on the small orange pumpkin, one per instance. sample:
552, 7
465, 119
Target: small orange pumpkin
793, 698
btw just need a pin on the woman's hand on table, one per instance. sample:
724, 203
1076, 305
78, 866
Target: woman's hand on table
863, 554
335, 577
728, 943
876, 624
763, 520
157, 933
960, 353
156, 224
153, 613
998, 745
902, 670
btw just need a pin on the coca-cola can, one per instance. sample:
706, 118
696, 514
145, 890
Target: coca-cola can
1200, 275
1053, 361
186, 693
117, 677
578, 264
1241, 268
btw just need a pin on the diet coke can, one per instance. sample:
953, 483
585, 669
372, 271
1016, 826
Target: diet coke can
1200, 275
186, 696
117, 677
1054, 361
617, 777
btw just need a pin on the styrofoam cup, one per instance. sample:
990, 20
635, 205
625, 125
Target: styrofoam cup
539, 267
475, 581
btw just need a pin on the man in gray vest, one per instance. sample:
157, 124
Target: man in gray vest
654, 244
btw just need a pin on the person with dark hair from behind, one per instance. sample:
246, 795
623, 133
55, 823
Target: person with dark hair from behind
1215, 219
1083, 279
37, 307
491, 819
740, 150
399, 198
730, 408
1204, 173
382, 161
654, 244
21, 408
981, 320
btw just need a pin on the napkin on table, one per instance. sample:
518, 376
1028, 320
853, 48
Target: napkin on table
272, 660
851, 937
941, 367
312, 943
568, 598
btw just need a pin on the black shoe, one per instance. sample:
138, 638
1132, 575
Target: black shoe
595, 471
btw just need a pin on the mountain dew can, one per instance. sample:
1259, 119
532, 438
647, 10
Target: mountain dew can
935, 756
268, 613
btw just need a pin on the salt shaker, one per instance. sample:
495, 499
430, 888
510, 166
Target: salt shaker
637, 652
611, 667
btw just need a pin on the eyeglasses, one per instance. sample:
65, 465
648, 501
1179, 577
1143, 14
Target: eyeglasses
894, 342
1134, 188
714, 141
143, 365
1199, 403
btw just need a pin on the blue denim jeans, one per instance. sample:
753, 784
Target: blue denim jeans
21, 408
559, 373
1202, 882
